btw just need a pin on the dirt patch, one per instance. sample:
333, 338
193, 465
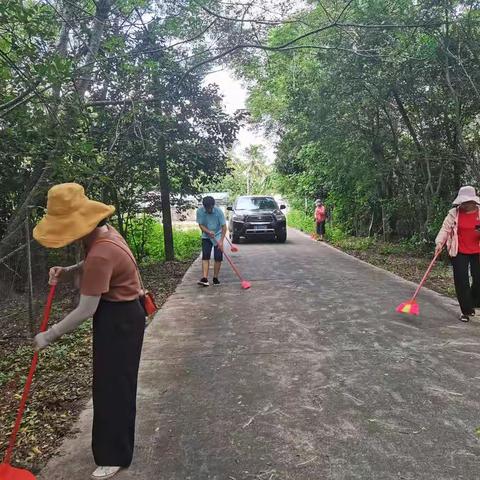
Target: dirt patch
62, 383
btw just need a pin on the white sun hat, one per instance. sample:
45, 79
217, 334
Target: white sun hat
466, 194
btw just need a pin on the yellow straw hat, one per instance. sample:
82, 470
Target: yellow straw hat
70, 216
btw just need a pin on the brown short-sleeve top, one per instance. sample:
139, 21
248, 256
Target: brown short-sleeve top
108, 270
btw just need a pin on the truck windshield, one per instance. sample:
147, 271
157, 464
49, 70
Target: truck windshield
256, 203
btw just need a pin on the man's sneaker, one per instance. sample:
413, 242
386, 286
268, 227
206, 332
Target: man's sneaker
464, 318
203, 282
216, 281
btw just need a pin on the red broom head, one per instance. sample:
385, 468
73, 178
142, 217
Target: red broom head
234, 249
246, 284
7, 472
410, 307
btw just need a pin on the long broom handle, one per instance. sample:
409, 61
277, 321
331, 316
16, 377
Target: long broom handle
427, 273
234, 267
230, 261
28, 383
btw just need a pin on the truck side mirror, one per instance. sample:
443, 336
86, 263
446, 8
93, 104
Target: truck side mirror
230, 209
283, 207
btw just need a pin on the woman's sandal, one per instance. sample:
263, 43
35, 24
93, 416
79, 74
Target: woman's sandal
102, 473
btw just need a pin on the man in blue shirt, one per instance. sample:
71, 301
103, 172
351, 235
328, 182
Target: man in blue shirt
211, 221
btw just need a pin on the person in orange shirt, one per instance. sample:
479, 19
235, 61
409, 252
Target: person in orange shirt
320, 217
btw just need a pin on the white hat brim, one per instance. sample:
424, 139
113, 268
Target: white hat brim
463, 199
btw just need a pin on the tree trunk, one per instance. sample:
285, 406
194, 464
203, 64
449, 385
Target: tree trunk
165, 196
120, 215
384, 228
31, 310
101, 15
13, 232
406, 119
371, 223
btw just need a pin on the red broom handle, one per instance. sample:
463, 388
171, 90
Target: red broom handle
427, 273
234, 267
28, 383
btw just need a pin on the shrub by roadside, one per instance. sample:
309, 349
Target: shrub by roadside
145, 237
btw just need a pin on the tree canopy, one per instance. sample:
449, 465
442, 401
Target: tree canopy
102, 93
378, 115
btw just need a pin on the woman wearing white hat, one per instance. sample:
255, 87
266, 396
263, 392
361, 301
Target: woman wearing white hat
461, 233
110, 290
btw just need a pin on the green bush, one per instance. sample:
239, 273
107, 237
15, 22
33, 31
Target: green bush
335, 235
187, 243
301, 221
145, 237
305, 223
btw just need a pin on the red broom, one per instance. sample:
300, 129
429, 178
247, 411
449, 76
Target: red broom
245, 283
411, 306
7, 472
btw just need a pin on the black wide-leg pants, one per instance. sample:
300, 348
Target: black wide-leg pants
118, 329
468, 295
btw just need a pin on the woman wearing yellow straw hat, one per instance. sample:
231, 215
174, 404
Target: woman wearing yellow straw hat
110, 290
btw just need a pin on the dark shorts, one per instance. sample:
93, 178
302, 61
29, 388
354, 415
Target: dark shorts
321, 228
207, 246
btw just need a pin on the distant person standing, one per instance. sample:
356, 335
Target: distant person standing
320, 217
211, 221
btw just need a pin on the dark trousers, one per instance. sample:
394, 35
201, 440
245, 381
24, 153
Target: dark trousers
468, 295
207, 246
321, 228
118, 329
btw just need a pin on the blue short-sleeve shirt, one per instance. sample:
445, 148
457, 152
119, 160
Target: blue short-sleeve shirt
213, 221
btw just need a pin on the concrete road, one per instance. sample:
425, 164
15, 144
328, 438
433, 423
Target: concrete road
310, 375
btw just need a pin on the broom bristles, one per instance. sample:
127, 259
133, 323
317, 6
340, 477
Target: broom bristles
410, 307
